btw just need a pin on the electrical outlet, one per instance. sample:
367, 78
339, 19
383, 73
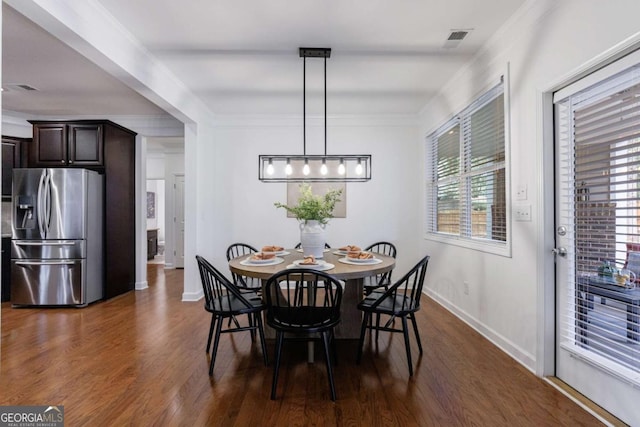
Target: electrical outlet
522, 212
521, 192
466, 287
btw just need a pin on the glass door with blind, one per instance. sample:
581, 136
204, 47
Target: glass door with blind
598, 239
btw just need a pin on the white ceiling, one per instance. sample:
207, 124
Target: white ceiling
388, 57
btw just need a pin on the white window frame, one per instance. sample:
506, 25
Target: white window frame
502, 248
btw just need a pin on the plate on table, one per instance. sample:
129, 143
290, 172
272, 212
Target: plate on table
356, 261
319, 266
262, 262
344, 252
277, 253
300, 250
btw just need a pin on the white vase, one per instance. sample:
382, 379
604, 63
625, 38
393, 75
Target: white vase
312, 238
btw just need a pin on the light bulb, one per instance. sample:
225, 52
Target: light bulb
270, 169
341, 169
359, 168
323, 169
288, 169
306, 169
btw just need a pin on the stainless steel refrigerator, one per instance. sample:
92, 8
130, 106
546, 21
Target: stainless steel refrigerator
57, 229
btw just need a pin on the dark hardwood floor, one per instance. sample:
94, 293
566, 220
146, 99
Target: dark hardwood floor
139, 359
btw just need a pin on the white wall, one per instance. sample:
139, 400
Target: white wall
385, 208
547, 41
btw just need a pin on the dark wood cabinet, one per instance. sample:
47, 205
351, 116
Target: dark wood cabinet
108, 148
152, 243
67, 145
13, 156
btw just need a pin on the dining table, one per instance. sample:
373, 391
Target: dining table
351, 273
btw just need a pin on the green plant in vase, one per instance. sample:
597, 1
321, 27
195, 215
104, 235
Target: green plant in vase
313, 211
313, 207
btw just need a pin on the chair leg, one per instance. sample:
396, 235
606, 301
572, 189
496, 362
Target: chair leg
415, 329
213, 325
216, 341
265, 356
333, 347
252, 331
276, 367
327, 357
377, 326
405, 331
365, 320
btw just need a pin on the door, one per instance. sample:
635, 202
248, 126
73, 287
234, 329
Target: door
50, 204
49, 148
85, 145
179, 221
597, 137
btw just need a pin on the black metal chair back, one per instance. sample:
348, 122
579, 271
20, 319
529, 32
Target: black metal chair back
240, 249
303, 301
299, 246
223, 299
380, 280
402, 300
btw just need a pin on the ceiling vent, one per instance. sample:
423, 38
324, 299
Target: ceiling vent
455, 37
19, 86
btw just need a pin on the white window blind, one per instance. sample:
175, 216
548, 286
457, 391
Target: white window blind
466, 184
599, 133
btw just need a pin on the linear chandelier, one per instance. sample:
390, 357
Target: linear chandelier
314, 167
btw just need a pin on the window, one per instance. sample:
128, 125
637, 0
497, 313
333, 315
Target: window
466, 181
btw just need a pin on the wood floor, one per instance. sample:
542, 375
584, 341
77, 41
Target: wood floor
140, 359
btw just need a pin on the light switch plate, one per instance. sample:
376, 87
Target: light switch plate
521, 192
522, 212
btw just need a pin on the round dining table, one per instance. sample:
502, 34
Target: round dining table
352, 274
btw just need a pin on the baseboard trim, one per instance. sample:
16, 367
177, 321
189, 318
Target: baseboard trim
192, 296
519, 355
142, 285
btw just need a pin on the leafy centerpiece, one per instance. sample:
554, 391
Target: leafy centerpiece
313, 211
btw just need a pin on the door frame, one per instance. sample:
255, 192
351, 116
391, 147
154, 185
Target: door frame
545, 164
175, 228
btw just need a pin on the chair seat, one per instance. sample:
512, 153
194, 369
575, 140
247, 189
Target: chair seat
309, 319
398, 304
231, 305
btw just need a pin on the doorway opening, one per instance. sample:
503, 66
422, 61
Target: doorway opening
156, 223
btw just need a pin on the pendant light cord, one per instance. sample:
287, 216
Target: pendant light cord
325, 106
304, 106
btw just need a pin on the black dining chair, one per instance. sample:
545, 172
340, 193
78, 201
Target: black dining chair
223, 299
236, 250
318, 311
401, 300
382, 280
299, 246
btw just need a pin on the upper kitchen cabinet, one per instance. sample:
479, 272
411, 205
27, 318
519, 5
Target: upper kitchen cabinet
13, 156
77, 144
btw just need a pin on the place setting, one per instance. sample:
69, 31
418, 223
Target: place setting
359, 258
344, 250
275, 250
310, 262
262, 259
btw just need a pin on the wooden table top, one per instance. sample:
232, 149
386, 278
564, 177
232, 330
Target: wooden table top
341, 271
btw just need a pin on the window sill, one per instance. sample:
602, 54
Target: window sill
496, 248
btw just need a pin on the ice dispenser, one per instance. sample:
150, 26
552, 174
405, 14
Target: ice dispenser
24, 213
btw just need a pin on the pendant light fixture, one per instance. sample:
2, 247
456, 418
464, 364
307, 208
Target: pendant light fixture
314, 167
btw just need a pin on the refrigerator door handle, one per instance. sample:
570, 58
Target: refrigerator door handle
36, 243
39, 203
60, 262
47, 205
